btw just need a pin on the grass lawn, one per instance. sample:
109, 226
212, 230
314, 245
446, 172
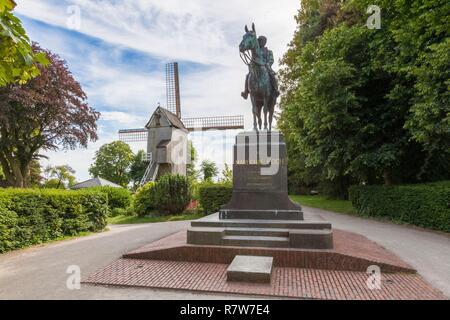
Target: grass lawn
321, 202
149, 219
59, 239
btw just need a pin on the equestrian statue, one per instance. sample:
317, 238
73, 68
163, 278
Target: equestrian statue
261, 82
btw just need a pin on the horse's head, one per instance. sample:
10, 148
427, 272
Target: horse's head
249, 40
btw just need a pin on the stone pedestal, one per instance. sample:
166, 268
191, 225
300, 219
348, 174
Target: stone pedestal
260, 213
260, 179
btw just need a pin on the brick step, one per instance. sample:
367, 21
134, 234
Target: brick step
256, 241
265, 232
244, 223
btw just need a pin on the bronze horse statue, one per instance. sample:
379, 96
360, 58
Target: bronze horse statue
262, 91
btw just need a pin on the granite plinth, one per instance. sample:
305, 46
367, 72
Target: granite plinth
260, 179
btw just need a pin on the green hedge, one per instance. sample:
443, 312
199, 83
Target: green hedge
32, 216
172, 194
423, 205
213, 196
117, 197
144, 202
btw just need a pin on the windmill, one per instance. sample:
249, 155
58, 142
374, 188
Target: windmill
166, 131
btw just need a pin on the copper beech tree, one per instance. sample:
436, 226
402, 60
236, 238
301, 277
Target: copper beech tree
49, 112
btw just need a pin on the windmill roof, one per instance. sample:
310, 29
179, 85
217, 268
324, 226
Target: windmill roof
171, 118
95, 182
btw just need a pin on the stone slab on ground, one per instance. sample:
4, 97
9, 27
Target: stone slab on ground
250, 269
286, 282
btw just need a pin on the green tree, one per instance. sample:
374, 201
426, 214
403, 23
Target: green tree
2, 178
191, 172
63, 175
49, 112
53, 183
35, 173
208, 169
227, 174
17, 60
112, 162
367, 105
137, 168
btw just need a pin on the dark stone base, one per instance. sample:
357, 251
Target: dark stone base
281, 233
259, 193
261, 214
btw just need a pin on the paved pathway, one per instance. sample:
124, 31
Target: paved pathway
428, 252
40, 272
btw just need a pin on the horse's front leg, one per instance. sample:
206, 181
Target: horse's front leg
255, 112
270, 121
266, 109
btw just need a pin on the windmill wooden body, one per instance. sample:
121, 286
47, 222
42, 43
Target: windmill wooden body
166, 132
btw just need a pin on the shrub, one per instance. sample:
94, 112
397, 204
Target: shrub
144, 201
195, 189
214, 195
31, 216
172, 194
118, 212
424, 205
8, 227
117, 197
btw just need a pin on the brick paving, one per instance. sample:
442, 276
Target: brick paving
286, 281
352, 252
339, 274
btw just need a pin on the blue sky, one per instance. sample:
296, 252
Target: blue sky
117, 50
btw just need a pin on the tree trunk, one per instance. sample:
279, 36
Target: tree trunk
387, 176
15, 167
7, 171
17, 174
26, 176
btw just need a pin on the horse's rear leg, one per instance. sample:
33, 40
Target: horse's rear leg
259, 119
271, 111
266, 109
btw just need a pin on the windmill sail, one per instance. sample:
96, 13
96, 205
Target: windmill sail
173, 89
157, 161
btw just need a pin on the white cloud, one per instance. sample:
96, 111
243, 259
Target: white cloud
201, 31
121, 89
122, 118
